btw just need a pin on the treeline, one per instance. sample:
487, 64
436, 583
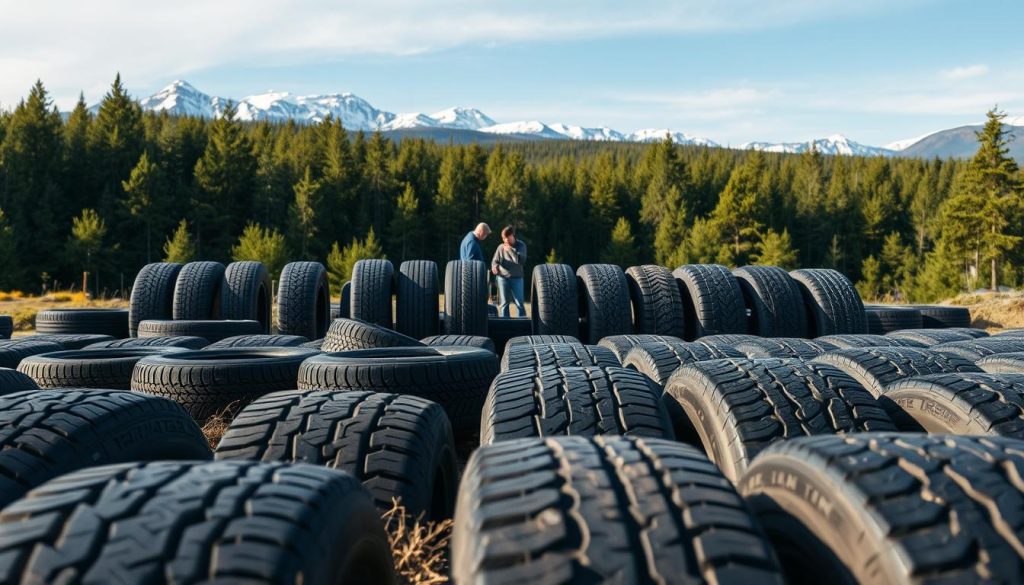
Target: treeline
111, 191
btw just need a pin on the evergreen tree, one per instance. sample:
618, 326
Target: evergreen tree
736, 217
141, 202
11, 275
621, 250
702, 243
670, 235
262, 245
78, 165
897, 264
406, 228
553, 257
776, 249
870, 284
666, 178
86, 241
336, 268
453, 206
303, 212
504, 199
809, 186
116, 141
179, 247
604, 194
378, 181
340, 263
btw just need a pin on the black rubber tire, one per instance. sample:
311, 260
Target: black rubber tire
534, 357
658, 360
152, 294
774, 300
345, 303
191, 522
930, 337
400, 447
335, 311
246, 294
783, 347
501, 329
944, 316
657, 303
6, 326
373, 284
866, 508
832, 303
465, 298
960, 404
219, 382
210, 330
604, 304
1009, 333
460, 340
639, 510
71, 340
1003, 363
197, 291
316, 344
621, 344
457, 378
259, 341
12, 351
349, 334
554, 304
976, 349
112, 322
712, 300
884, 319
848, 340
416, 299
12, 381
46, 433
877, 367
735, 408
578, 401
303, 300
541, 340
185, 341
726, 341
109, 369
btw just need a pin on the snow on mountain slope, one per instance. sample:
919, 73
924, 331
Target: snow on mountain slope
523, 128
906, 142
603, 133
658, 134
835, 144
462, 118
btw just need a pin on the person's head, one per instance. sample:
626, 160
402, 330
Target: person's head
482, 231
508, 235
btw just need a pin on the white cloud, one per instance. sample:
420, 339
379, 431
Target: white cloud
967, 72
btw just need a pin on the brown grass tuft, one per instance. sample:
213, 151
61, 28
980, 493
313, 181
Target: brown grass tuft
216, 426
994, 311
419, 547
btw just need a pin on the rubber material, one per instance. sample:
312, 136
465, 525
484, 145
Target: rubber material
259, 341
657, 304
931, 337
877, 367
14, 350
348, 334
604, 304
533, 357
152, 294
303, 300
962, 404
832, 302
541, 340
621, 344
660, 359
460, 340
112, 322
712, 300
197, 291
211, 330
416, 299
71, 340
186, 341
783, 347
246, 294
1003, 363
774, 300
943, 316
109, 369
554, 307
976, 349
848, 340
465, 298
14, 381
884, 319
373, 284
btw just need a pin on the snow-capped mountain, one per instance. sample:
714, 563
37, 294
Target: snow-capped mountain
835, 144
658, 134
531, 128
463, 118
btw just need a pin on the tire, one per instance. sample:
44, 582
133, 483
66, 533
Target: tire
639, 510
109, 369
782, 347
534, 357
554, 304
465, 298
246, 294
848, 340
14, 350
460, 340
399, 447
316, 344
501, 329
71, 340
832, 303
223, 381
658, 360
877, 367
197, 291
112, 322
190, 522
657, 304
775, 302
1010, 333
604, 305
726, 341
349, 334
943, 316
930, 337
621, 344
864, 508
555, 401
373, 284
345, 305
185, 341
152, 294
457, 378
210, 330
712, 300
259, 341
884, 319
959, 404
416, 299
12, 381
541, 340
303, 300
976, 349
735, 408
6, 326
1003, 363
47, 433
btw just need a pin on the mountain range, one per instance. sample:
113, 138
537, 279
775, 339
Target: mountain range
463, 125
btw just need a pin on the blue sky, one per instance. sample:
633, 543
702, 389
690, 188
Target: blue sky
730, 70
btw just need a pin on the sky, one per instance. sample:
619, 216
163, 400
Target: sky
734, 71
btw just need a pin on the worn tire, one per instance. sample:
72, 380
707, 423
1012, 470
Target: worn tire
191, 522
867, 509
246, 294
1003, 363
657, 304
152, 294
416, 299
541, 340
848, 340
212, 382
349, 334
501, 329
112, 322
259, 341
12, 381
735, 408
533, 357
185, 341
604, 304
345, 302
373, 284
6, 326
14, 350
960, 404
460, 340
399, 447
210, 330
727, 341
930, 337
197, 291
71, 340
774, 300
832, 303
621, 344
976, 349
46, 433
658, 360
109, 369
303, 300
882, 319
944, 316
316, 344
712, 300
783, 347
877, 367
639, 510
465, 298
554, 304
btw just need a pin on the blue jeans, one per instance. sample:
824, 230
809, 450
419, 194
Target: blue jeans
510, 289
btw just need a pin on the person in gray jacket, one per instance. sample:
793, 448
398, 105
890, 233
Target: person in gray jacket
508, 266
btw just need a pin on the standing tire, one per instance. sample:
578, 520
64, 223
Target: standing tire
460, 340
303, 300
246, 294
930, 337
112, 322
603, 301
943, 316
782, 347
210, 330
774, 300
110, 369
184, 341
848, 340
345, 303
12, 381
12, 351
197, 291
416, 299
712, 300
349, 334
152, 294
621, 344
465, 298
6, 326
882, 319
533, 357
878, 367
959, 404
658, 360
657, 304
554, 306
832, 302
373, 283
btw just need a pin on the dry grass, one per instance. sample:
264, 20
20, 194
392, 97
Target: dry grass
994, 310
23, 308
217, 425
419, 548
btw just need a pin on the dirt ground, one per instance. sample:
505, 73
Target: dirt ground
994, 311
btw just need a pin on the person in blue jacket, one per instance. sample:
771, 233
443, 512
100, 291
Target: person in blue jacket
470, 249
